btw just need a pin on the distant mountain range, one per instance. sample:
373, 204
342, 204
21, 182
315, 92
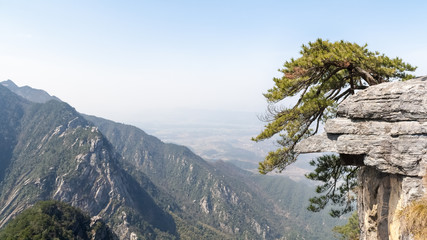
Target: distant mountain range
31, 94
143, 188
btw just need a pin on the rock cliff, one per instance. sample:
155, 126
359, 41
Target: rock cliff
383, 129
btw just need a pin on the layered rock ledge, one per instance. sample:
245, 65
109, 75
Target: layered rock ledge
383, 129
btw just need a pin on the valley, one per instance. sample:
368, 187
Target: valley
140, 185
220, 135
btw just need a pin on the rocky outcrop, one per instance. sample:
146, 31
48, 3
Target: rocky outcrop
384, 130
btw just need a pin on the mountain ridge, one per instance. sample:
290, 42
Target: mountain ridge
67, 159
197, 198
29, 93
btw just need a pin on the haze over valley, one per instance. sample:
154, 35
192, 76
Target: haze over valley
139, 185
131, 120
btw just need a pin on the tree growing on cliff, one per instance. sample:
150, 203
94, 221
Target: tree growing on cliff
324, 75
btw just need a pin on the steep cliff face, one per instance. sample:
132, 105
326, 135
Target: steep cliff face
384, 130
203, 193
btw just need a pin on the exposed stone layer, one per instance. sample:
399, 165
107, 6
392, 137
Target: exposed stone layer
392, 101
383, 129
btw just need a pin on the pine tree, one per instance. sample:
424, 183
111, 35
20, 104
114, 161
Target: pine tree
324, 75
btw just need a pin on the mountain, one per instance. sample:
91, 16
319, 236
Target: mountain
29, 93
203, 192
54, 153
227, 198
56, 220
141, 186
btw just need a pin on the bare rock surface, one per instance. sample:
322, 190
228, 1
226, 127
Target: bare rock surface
385, 126
392, 101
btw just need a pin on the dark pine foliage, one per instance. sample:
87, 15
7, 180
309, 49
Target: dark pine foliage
339, 182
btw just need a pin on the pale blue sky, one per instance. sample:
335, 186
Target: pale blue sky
109, 57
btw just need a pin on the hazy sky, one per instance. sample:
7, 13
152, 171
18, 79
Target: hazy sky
120, 59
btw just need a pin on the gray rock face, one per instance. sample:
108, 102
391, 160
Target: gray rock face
392, 101
385, 129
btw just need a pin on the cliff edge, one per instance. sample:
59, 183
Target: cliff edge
383, 129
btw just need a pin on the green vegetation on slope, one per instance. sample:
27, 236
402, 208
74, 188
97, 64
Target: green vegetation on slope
166, 191
349, 231
291, 198
11, 112
205, 195
232, 196
54, 153
55, 220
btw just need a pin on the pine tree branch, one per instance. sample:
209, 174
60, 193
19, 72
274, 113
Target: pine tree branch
367, 76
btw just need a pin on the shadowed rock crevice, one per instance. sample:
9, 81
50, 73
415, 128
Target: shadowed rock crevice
352, 159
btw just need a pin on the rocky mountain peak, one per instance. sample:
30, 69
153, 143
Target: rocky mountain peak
384, 130
9, 84
29, 93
